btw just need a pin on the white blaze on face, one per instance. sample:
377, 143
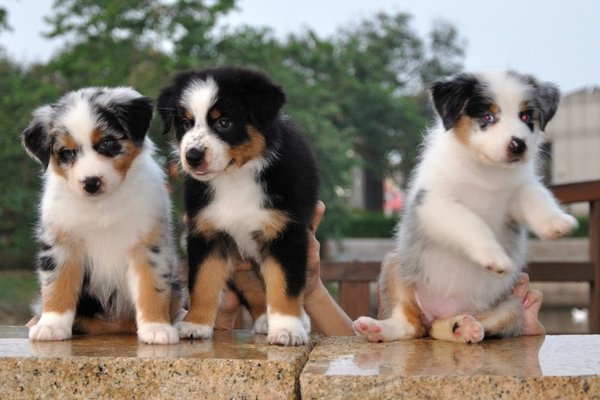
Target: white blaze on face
197, 100
80, 123
509, 95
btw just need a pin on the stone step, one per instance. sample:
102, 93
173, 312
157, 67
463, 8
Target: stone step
241, 365
235, 364
534, 367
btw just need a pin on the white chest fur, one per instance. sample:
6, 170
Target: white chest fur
238, 208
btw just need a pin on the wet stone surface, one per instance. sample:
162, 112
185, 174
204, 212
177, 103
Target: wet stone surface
537, 367
235, 364
242, 365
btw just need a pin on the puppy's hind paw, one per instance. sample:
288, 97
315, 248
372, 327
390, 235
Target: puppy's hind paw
467, 329
261, 325
558, 226
369, 328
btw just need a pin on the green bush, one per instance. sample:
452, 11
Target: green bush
584, 227
369, 224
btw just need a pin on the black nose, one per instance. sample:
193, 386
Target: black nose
91, 184
517, 146
194, 157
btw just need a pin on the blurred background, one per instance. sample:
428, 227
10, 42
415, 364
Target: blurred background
356, 76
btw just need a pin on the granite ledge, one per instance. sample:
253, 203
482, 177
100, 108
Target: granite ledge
241, 365
550, 367
234, 364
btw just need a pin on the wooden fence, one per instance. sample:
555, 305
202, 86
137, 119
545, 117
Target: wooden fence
354, 278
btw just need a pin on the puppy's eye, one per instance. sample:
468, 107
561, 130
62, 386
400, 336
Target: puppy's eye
66, 155
107, 144
223, 123
488, 118
525, 116
186, 124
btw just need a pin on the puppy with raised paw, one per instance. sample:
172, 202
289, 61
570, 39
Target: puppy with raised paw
460, 246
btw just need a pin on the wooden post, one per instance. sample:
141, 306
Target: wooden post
594, 312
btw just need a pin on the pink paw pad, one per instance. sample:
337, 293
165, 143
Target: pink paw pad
467, 329
369, 329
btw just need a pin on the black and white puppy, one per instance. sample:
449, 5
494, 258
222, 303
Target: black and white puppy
250, 190
106, 261
461, 243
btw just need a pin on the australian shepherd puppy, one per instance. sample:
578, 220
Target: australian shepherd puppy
106, 260
250, 190
461, 243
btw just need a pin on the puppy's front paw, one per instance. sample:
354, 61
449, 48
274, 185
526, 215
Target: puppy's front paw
467, 329
558, 226
157, 333
286, 330
495, 260
189, 330
369, 328
49, 332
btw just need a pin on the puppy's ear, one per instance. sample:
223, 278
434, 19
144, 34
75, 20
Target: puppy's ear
264, 98
449, 97
135, 116
165, 104
547, 98
35, 137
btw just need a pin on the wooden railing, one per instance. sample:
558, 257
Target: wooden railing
355, 277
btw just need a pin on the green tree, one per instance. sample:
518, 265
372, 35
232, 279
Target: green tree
388, 67
138, 43
21, 90
358, 94
4, 19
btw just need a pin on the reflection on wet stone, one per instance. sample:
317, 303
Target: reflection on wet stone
240, 364
532, 367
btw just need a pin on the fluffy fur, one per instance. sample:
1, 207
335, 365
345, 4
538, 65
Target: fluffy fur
250, 189
106, 260
461, 243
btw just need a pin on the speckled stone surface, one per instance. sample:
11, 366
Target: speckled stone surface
551, 367
241, 365
233, 365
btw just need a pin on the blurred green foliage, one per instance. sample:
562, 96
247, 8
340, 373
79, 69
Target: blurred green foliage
17, 291
370, 224
357, 95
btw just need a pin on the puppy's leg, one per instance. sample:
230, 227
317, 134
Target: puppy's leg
60, 268
250, 289
149, 279
504, 320
288, 324
205, 295
452, 224
462, 329
284, 272
536, 207
399, 314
